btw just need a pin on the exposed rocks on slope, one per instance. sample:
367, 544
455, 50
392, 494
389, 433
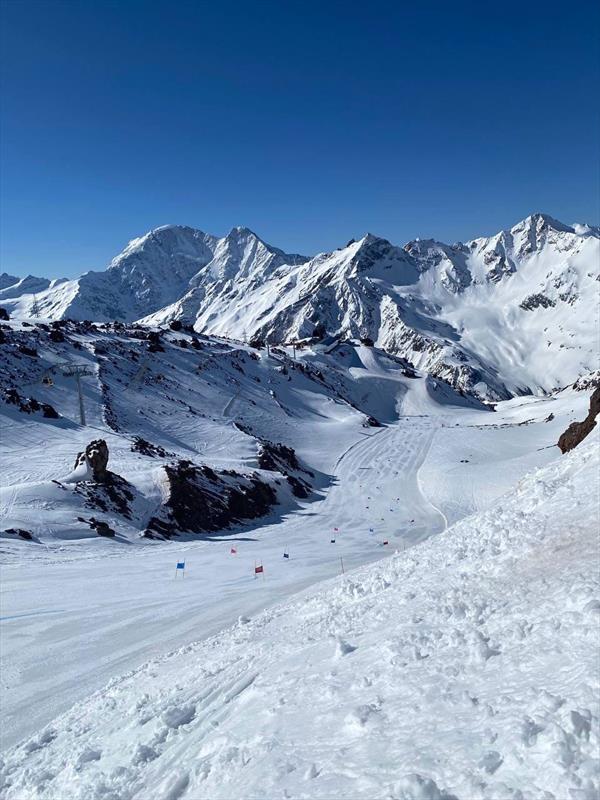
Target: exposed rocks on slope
536, 301
577, 431
21, 533
201, 500
29, 405
586, 382
102, 528
283, 459
146, 448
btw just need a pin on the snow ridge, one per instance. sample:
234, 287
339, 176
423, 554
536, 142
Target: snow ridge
495, 317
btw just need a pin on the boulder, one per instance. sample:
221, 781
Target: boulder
95, 456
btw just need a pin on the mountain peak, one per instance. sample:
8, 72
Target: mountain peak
242, 230
540, 220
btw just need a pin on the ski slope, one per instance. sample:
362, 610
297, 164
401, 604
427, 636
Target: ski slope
104, 609
462, 669
393, 456
121, 609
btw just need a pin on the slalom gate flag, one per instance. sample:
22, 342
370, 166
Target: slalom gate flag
336, 529
371, 530
180, 565
385, 541
233, 551
332, 541
258, 570
286, 555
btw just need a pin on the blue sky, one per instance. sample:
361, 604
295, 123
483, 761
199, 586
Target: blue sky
308, 122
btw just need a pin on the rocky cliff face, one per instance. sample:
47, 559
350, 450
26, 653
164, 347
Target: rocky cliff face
577, 431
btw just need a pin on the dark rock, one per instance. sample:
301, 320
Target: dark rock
95, 456
49, 411
283, 459
20, 532
587, 382
536, 301
114, 494
154, 343
371, 422
176, 325
274, 456
28, 351
201, 500
56, 335
4, 315
29, 405
577, 431
319, 330
102, 528
367, 341
146, 448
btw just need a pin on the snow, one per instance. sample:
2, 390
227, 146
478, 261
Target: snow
463, 667
444, 645
462, 312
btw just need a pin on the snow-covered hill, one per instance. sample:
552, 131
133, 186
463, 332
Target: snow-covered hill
463, 669
496, 317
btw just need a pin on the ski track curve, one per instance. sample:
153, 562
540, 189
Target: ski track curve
119, 613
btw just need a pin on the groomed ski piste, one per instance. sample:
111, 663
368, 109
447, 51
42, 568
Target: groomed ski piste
457, 660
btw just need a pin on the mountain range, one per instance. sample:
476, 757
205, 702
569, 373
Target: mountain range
494, 317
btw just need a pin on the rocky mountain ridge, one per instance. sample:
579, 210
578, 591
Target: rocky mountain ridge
495, 317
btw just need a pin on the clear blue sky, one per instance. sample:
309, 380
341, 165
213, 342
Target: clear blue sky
309, 122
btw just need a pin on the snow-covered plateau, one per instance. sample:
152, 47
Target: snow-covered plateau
377, 429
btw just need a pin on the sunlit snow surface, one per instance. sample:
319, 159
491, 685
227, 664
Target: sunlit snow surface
464, 667
462, 664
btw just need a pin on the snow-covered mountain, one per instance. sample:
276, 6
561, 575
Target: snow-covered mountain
225, 456
497, 316
151, 273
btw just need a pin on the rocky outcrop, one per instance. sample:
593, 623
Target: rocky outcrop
102, 528
102, 489
537, 300
587, 382
283, 459
577, 431
146, 448
21, 533
29, 405
201, 500
95, 456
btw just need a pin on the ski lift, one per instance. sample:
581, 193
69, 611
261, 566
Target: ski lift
47, 380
